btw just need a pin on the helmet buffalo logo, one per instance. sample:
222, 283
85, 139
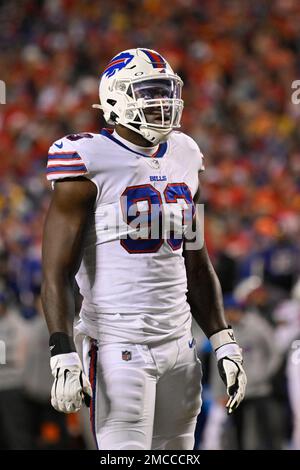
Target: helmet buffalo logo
118, 63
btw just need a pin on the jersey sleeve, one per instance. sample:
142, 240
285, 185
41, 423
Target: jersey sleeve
191, 150
201, 160
64, 161
201, 165
197, 153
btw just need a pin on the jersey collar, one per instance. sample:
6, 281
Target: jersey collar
162, 148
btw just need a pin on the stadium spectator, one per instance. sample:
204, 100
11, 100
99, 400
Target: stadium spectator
13, 408
255, 425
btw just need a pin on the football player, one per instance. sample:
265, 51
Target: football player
140, 283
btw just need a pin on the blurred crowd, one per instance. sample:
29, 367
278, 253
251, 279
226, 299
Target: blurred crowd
238, 60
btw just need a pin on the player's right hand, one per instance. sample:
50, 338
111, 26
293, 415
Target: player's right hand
71, 386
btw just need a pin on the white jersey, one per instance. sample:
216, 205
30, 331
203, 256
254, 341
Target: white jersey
134, 290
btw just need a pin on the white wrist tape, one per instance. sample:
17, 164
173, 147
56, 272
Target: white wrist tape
224, 344
65, 360
222, 337
229, 350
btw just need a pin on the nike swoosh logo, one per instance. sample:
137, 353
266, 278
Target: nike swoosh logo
59, 146
191, 343
231, 336
52, 347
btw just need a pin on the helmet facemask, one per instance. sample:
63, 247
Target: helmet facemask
140, 91
155, 105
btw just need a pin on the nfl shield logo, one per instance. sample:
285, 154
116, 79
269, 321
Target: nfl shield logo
126, 355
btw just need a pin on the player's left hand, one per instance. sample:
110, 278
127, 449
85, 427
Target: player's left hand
233, 375
230, 366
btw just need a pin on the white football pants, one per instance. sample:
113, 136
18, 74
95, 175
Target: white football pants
144, 397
